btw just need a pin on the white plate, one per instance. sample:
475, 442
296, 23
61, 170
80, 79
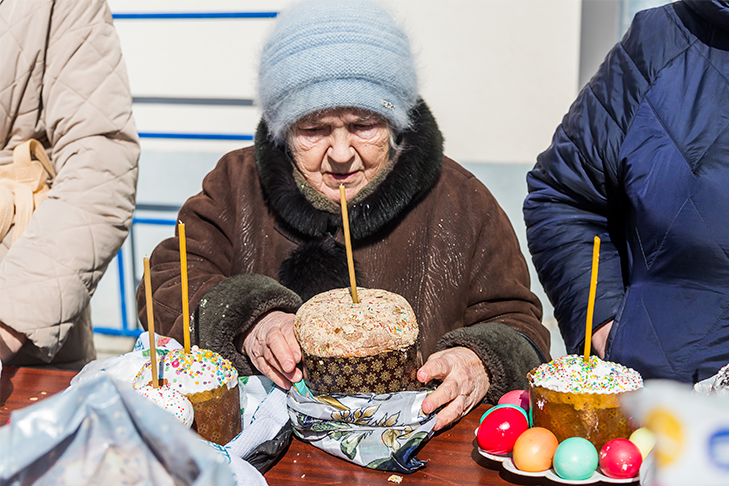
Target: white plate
494, 457
596, 476
509, 465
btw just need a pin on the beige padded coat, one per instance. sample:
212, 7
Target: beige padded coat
63, 81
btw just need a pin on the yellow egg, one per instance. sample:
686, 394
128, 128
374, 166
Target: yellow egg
644, 439
534, 449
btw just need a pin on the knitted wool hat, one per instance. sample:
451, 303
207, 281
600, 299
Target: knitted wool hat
335, 53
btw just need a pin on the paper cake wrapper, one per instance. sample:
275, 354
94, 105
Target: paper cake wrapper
217, 414
596, 417
389, 372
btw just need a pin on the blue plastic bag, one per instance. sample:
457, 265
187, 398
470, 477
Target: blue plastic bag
101, 433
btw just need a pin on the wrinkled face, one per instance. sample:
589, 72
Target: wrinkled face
340, 146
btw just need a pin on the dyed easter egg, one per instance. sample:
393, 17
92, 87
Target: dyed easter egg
575, 459
620, 459
644, 439
520, 398
534, 449
500, 428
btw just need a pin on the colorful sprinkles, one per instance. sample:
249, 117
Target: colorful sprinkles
194, 372
572, 374
322, 321
172, 401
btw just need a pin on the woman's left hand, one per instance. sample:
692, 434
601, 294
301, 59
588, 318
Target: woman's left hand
464, 383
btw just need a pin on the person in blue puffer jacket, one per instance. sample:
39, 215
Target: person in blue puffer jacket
642, 161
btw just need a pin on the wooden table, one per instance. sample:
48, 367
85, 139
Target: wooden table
20, 387
452, 455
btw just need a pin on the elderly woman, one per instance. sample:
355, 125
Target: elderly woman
338, 89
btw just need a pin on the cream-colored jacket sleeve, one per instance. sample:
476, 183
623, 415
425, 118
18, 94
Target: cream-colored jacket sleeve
63, 81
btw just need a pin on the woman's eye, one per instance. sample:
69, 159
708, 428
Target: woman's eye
365, 127
310, 131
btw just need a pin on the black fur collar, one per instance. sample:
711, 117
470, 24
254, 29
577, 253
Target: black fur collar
415, 172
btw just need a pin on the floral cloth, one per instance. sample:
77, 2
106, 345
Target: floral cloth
376, 431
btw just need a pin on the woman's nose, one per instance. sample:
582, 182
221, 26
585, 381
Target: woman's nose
340, 149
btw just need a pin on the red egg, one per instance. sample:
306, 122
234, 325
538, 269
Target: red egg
620, 459
500, 429
520, 398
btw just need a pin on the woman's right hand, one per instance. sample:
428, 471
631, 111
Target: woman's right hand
599, 339
272, 347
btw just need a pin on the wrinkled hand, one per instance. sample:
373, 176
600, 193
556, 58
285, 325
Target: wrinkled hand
273, 349
599, 339
10, 342
464, 383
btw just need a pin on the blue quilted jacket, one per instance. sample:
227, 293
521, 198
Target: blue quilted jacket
642, 160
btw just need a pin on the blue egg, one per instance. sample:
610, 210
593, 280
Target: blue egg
505, 405
575, 459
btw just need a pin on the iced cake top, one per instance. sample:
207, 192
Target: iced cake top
331, 325
194, 372
172, 401
572, 374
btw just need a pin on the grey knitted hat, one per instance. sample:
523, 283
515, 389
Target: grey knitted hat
335, 53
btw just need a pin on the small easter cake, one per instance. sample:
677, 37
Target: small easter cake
171, 400
577, 398
349, 348
210, 382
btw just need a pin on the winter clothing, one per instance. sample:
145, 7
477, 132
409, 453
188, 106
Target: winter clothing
334, 53
428, 231
63, 82
641, 161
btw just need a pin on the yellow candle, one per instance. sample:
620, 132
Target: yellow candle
185, 301
591, 298
150, 323
348, 244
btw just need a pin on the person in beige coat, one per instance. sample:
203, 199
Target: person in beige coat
63, 82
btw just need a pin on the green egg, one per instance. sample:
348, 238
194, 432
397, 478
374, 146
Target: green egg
575, 459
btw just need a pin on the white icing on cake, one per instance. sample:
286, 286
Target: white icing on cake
572, 374
172, 401
189, 373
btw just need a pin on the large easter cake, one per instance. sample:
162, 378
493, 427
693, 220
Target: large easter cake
367, 347
577, 398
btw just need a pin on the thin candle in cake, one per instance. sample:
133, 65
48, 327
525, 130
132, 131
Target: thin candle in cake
150, 323
591, 298
183, 283
348, 244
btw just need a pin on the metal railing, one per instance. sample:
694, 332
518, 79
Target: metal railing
127, 329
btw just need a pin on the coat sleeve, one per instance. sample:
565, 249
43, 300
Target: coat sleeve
574, 195
503, 318
49, 274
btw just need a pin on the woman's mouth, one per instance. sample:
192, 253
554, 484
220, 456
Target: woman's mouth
342, 177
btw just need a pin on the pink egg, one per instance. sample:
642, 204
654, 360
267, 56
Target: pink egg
520, 398
500, 429
620, 459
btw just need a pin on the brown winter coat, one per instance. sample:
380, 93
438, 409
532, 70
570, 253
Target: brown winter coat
429, 230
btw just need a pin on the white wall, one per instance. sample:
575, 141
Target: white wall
498, 74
